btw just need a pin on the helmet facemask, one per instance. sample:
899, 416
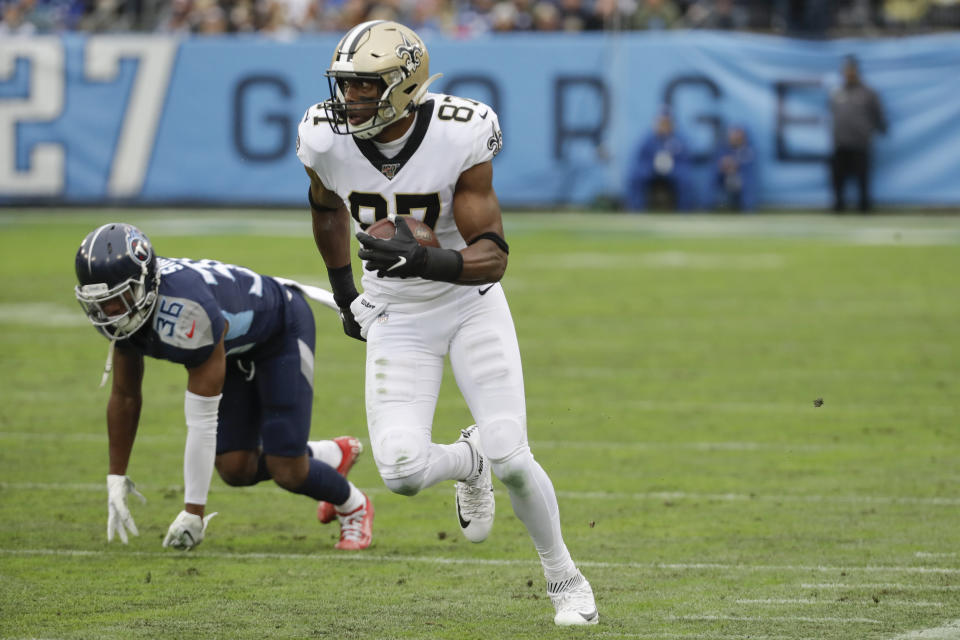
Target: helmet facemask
339, 110
119, 311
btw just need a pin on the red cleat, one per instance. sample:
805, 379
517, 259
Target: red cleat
356, 527
351, 448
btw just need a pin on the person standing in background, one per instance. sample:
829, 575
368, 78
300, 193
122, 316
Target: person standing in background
659, 169
735, 172
857, 115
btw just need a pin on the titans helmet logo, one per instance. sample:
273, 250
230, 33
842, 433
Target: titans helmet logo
138, 247
409, 54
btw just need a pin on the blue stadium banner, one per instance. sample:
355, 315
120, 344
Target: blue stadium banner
155, 119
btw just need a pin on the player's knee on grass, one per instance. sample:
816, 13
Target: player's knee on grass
238, 468
401, 460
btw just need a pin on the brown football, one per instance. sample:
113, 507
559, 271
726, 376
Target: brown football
422, 233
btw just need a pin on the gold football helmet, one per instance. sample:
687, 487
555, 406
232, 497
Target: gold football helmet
388, 54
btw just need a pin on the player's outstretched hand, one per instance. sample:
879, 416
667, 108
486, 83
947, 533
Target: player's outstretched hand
119, 520
399, 257
187, 531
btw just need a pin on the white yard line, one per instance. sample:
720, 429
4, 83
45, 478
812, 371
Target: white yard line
814, 601
568, 495
42, 314
813, 619
436, 560
696, 636
892, 586
949, 631
720, 635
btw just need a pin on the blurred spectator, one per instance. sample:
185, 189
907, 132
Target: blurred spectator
657, 14
609, 14
242, 18
804, 18
108, 16
213, 20
28, 17
857, 115
944, 14
503, 16
523, 21
658, 172
287, 19
905, 15
735, 180
14, 23
474, 19
546, 16
717, 14
575, 17
430, 18
176, 17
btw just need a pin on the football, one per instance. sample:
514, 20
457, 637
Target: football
423, 234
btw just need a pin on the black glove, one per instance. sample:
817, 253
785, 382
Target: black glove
344, 293
350, 326
399, 257
402, 256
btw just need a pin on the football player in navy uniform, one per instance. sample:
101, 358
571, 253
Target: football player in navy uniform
247, 342
383, 146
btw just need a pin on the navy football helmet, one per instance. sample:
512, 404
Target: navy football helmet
117, 271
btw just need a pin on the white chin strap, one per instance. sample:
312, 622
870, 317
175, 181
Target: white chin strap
108, 365
366, 134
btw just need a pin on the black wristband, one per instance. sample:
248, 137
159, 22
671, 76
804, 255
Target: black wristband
444, 265
314, 205
495, 238
341, 281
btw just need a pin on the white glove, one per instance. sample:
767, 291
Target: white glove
365, 311
119, 519
187, 530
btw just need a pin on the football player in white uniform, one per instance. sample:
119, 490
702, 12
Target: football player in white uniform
384, 146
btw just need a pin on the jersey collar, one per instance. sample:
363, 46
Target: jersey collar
390, 167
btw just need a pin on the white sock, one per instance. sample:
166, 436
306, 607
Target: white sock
326, 451
354, 502
448, 462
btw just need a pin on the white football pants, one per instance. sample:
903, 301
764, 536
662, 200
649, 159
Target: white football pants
406, 346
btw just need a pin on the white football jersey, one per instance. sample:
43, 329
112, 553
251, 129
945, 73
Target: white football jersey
449, 136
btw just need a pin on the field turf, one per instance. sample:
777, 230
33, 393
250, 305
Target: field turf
672, 366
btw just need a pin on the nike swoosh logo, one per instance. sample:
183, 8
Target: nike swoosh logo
192, 327
588, 616
483, 291
483, 116
463, 523
401, 260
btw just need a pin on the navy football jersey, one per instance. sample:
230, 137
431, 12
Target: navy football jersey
198, 298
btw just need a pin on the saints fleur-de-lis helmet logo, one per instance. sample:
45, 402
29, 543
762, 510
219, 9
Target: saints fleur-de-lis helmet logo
409, 53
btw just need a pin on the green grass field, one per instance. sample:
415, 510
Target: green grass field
671, 362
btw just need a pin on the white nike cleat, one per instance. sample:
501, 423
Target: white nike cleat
475, 503
574, 602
